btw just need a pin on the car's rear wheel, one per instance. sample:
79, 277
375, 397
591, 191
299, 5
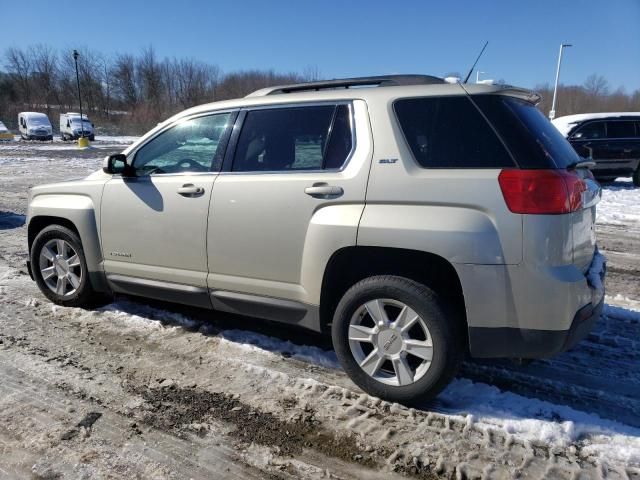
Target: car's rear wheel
60, 269
394, 339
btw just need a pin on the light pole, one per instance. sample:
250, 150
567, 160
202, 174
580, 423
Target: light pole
75, 58
552, 112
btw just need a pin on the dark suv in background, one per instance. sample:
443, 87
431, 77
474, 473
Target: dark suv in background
612, 140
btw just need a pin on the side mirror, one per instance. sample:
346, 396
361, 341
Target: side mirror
117, 164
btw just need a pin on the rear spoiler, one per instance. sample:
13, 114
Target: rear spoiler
527, 95
521, 93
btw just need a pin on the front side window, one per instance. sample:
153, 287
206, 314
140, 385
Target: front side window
193, 145
621, 129
590, 131
449, 132
294, 139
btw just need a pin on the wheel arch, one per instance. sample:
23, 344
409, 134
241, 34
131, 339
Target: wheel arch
85, 226
349, 265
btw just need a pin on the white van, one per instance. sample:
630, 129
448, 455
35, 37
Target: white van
71, 128
34, 126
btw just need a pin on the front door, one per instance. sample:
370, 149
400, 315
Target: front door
154, 223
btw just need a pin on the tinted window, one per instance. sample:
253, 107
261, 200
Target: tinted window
194, 145
301, 138
530, 136
620, 129
590, 131
449, 132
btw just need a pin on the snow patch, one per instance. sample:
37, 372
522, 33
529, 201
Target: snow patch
620, 204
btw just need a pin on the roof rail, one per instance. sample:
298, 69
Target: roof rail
379, 81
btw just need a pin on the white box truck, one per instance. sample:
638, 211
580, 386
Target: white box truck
34, 126
71, 128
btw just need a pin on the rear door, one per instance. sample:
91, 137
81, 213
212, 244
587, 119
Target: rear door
622, 140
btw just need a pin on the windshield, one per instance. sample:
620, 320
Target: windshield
38, 121
77, 120
532, 139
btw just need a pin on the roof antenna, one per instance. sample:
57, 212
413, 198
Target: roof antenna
474, 63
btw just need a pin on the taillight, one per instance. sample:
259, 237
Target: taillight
548, 192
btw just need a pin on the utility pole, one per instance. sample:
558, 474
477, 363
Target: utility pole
552, 112
75, 58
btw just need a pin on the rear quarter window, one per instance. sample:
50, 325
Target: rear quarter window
450, 132
530, 136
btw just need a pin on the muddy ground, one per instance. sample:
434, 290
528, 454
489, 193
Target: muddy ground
142, 389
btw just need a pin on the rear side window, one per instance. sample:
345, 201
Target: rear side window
294, 139
450, 132
530, 136
590, 131
621, 129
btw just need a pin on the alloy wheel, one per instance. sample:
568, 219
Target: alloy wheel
60, 267
390, 342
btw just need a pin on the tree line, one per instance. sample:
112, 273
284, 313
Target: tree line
131, 93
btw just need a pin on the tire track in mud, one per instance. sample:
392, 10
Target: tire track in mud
156, 451
458, 447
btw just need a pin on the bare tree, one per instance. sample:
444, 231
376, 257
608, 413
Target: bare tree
596, 85
19, 66
124, 80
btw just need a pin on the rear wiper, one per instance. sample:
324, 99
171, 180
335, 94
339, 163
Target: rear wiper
581, 164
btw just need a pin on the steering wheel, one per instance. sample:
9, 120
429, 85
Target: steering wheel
188, 163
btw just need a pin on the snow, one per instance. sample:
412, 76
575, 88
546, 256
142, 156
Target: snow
486, 406
594, 275
620, 204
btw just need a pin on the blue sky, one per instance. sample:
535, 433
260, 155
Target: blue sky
343, 38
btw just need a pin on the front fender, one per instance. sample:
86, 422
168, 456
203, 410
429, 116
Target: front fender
79, 210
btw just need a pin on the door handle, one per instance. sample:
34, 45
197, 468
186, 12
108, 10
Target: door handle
190, 190
323, 190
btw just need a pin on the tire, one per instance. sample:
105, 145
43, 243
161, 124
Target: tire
79, 295
443, 330
92, 138
636, 177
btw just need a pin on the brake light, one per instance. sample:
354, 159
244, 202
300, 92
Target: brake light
548, 192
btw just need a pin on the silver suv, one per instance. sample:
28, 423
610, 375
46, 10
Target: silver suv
414, 219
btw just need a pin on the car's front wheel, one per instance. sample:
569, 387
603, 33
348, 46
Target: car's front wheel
60, 269
395, 340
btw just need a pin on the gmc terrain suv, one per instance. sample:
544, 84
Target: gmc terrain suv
611, 140
415, 220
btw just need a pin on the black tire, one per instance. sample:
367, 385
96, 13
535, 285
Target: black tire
92, 138
445, 331
636, 177
84, 296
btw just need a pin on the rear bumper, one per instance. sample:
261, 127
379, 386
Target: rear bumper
526, 343
552, 325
